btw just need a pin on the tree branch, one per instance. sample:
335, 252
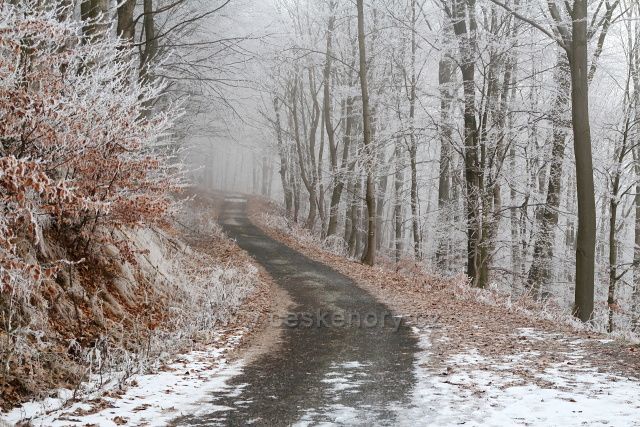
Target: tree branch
533, 23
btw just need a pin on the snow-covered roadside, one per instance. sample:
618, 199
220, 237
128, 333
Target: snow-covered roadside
180, 388
473, 390
213, 297
486, 360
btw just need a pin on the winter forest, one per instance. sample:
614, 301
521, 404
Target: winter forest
198, 197
490, 138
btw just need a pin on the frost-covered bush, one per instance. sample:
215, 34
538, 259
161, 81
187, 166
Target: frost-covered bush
217, 292
78, 160
336, 244
333, 244
77, 140
199, 221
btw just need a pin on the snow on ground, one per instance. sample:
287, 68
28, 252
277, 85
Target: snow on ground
345, 376
155, 399
469, 389
474, 391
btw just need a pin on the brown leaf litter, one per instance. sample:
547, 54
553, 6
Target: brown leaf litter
461, 324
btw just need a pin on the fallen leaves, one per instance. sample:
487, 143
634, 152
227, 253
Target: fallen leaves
466, 324
120, 420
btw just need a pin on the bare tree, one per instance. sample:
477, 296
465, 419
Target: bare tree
573, 37
369, 256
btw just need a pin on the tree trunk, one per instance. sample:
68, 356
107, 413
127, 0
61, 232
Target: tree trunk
320, 184
125, 27
312, 182
301, 160
397, 208
295, 185
150, 41
333, 149
465, 11
620, 154
445, 74
540, 270
383, 180
354, 241
635, 296
586, 238
307, 173
94, 13
352, 194
286, 188
613, 256
339, 178
370, 254
415, 224
413, 149
635, 291
266, 176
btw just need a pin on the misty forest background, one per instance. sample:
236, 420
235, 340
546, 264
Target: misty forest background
494, 138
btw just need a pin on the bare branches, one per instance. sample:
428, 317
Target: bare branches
564, 36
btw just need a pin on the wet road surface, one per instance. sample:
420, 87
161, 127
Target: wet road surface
341, 359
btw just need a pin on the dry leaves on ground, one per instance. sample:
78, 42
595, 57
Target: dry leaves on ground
467, 325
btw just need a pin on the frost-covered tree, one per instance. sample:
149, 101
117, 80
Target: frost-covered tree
472, 119
78, 151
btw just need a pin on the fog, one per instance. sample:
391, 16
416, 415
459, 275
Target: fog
228, 139
442, 161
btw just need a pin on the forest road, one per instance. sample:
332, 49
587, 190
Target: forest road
342, 359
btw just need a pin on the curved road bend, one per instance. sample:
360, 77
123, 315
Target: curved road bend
323, 369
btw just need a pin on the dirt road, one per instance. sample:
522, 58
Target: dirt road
341, 357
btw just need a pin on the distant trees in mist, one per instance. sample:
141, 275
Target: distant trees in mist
441, 131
